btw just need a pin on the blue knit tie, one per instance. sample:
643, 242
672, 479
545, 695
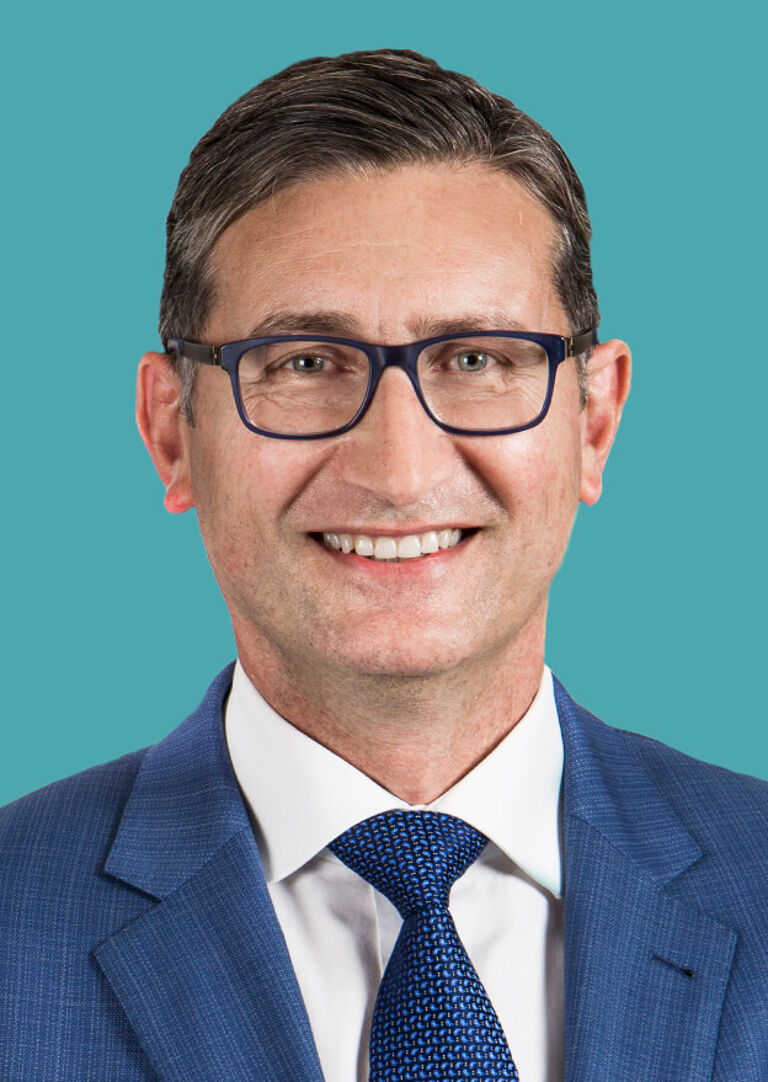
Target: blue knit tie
433, 1021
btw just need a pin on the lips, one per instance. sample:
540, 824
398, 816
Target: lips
383, 547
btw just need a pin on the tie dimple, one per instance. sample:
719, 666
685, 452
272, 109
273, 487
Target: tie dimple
432, 1021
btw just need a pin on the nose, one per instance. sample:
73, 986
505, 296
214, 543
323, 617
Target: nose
396, 452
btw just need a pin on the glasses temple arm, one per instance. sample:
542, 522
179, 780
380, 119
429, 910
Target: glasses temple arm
193, 351
580, 343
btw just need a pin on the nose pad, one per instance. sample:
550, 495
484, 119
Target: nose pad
396, 450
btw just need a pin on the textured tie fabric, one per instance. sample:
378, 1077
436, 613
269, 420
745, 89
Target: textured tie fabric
432, 1021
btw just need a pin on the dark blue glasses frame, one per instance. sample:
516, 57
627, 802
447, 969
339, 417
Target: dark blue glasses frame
557, 347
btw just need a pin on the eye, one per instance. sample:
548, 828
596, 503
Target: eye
472, 360
307, 362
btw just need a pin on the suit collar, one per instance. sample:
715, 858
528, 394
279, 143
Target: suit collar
204, 975
185, 803
606, 784
645, 970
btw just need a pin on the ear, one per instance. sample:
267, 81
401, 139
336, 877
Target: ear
609, 373
164, 428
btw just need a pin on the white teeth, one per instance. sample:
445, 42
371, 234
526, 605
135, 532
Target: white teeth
385, 548
408, 548
392, 548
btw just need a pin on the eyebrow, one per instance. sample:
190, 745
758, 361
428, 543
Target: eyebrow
341, 325
286, 321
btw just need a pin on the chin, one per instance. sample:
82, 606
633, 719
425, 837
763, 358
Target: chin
403, 659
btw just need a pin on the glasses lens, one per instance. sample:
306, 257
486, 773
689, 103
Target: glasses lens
482, 383
302, 388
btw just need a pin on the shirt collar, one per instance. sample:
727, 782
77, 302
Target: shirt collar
302, 795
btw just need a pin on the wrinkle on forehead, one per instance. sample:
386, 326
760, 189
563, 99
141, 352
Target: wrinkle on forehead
324, 203
407, 253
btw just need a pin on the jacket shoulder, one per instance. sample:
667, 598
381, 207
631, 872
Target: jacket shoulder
716, 799
70, 817
720, 801
727, 815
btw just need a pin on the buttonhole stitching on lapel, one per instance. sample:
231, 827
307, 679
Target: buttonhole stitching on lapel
674, 965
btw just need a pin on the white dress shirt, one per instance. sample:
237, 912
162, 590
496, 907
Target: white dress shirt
507, 907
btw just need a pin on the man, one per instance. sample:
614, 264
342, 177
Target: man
383, 393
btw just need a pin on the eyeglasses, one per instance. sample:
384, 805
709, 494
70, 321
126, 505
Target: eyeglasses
309, 387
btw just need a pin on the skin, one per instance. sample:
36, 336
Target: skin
412, 671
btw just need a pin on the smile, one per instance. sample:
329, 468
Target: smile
409, 547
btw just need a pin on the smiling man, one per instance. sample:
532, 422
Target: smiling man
388, 845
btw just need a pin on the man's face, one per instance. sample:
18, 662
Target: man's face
386, 259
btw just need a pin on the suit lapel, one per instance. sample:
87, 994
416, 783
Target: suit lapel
645, 971
204, 974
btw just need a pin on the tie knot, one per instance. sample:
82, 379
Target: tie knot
413, 858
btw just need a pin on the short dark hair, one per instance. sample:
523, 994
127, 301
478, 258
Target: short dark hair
360, 112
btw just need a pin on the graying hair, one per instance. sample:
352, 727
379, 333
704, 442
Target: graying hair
361, 112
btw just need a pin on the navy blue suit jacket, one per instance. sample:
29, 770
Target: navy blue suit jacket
138, 940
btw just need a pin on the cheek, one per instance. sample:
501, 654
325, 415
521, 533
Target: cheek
228, 530
244, 485
534, 474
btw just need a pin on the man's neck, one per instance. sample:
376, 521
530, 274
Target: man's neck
416, 736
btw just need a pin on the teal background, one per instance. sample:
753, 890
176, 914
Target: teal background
113, 625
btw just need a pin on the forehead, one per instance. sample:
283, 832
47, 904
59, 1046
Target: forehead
396, 251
